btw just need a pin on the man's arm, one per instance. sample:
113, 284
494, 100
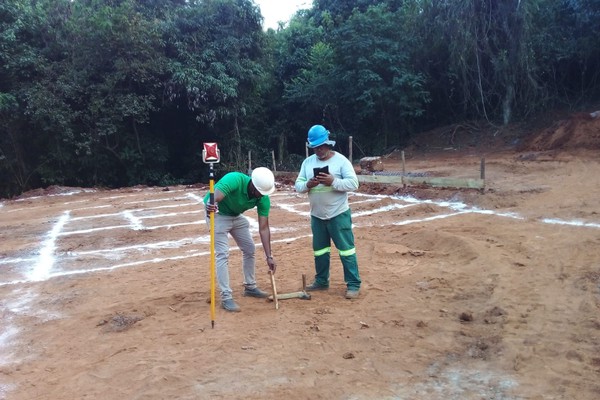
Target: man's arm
303, 184
218, 197
265, 238
348, 182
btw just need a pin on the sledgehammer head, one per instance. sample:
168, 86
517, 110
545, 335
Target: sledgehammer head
295, 295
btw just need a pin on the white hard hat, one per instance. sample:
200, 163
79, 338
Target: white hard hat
263, 180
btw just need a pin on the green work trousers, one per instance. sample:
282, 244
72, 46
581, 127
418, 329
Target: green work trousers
338, 229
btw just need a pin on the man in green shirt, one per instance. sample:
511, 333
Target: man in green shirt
235, 193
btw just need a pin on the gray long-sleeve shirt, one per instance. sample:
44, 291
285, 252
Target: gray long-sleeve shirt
327, 202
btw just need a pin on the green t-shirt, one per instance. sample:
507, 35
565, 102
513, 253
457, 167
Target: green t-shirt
234, 186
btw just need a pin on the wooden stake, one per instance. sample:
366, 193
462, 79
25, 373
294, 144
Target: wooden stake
249, 162
403, 164
482, 175
350, 148
482, 168
274, 290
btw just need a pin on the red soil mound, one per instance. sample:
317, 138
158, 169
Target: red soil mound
580, 130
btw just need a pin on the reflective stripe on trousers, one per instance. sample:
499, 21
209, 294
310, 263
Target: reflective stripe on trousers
338, 230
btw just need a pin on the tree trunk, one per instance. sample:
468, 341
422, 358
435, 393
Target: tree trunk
19, 169
507, 104
238, 143
281, 145
137, 137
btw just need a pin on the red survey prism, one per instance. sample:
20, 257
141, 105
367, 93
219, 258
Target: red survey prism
211, 153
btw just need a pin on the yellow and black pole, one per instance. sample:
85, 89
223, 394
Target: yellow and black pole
211, 155
212, 246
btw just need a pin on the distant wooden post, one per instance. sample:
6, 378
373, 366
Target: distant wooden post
306, 149
273, 157
374, 164
350, 148
482, 175
249, 162
403, 164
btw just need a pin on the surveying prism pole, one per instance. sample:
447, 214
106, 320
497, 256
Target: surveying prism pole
210, 156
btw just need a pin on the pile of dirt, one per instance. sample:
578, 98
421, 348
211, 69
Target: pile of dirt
550, 131
465, 136
50, 191
579, 131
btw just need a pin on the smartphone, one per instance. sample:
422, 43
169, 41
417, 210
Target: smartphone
324, 169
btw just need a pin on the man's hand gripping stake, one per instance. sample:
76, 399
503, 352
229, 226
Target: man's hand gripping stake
210, 156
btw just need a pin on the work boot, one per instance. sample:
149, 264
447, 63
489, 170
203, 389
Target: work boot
352, 294
230, 305
316, 286
256, 292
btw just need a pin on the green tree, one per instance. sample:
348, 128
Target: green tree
121, 92
375, 53
565, 44
291, 110
215, 66
508, 59
103, 80
21, 62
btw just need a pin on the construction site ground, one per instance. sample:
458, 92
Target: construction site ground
466, 294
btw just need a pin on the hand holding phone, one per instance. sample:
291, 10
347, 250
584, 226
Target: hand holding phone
317, 171
322, 176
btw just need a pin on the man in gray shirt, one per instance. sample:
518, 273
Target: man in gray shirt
327, 176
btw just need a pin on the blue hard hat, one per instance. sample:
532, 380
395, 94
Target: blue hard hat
317, 136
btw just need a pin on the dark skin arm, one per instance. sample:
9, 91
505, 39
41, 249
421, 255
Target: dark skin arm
215, 207
265, 238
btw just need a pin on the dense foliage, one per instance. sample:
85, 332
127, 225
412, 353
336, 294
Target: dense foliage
124, 92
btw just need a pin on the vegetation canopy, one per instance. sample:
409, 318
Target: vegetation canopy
123, 92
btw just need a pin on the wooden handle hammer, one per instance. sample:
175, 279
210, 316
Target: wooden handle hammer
295, 295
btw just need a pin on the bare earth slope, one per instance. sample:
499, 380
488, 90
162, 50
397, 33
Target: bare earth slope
466, 295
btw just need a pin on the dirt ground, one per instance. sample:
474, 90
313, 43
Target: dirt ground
466, 294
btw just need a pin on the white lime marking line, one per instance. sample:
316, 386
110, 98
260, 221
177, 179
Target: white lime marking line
99, 216
158, 200
157, 259
381, 209
134, 222
571, 223
45, 262
6, 336
147, 228
199, 199
17, 260
130, 264
166, 244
